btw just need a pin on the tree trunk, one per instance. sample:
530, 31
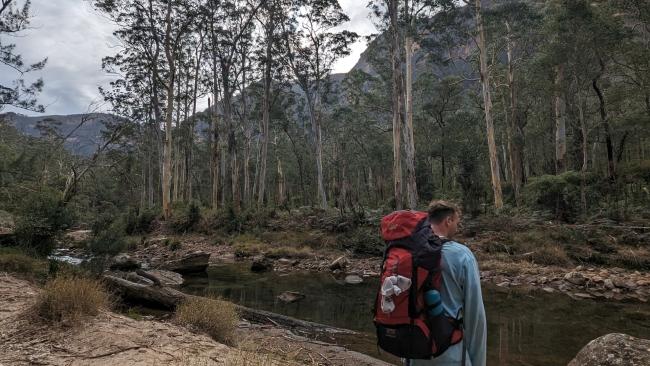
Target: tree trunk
409, 141
214, 156
487, 101
281, 187
167, 148
232, 142
585, 158
515, 138
560, 122
611, 165
396, 102
266, 108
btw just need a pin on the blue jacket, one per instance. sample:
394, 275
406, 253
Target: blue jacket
461, 289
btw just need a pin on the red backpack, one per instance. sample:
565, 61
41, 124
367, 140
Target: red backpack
413, 257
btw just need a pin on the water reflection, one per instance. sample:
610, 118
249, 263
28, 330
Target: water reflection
523, 328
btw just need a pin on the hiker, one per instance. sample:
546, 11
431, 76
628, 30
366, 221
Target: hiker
429, 308
460, 291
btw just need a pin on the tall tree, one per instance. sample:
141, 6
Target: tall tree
484, 72
313, 45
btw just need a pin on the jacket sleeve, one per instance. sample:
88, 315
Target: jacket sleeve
474, 313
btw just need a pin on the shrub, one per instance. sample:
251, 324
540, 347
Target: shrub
186, 218
289, 252
558, 194
13, 260
144, 221
217, 318
43, 217
68, 299
175, 245
247, 249
361, 241
110, 241
550, 255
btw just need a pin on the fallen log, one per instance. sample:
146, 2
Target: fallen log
169, 298
165, 297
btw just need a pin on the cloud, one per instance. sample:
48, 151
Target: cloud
359, 23
74, 37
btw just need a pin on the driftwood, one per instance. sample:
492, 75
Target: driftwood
165, 297
169, 298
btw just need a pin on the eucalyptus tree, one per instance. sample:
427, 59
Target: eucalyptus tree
15, 18
313, 45
480, 39
156, 27
270, 19
516, 30
415, 14
230, 22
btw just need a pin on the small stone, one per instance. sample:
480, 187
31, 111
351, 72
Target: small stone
353, 279
550, 290
284, 261
582, 295
291, 296
609, 284
503, 284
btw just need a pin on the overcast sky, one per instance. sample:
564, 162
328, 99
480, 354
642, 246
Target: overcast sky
74, 38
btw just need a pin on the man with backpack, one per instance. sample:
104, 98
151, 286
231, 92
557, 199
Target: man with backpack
430, 310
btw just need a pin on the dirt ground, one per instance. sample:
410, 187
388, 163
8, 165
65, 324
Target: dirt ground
114, 339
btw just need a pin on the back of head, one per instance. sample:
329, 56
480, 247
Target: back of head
439, 210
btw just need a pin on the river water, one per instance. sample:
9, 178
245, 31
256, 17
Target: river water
526, 329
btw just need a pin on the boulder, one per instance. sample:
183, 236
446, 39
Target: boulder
291, 296
261, 264
614, 349
339, 263
575, 278
193, 262
124, 262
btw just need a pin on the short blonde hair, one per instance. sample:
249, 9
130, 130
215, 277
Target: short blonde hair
439, 210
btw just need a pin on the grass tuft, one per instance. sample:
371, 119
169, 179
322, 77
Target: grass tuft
67, 300
217, 318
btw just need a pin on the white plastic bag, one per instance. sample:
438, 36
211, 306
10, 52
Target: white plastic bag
392, 286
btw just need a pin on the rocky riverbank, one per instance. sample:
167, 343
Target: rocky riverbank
579, 282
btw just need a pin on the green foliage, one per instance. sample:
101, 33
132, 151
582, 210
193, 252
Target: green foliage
139, 222
15, 261
361, 240
109, 240
42, 218
558, 194
174, 245
185, 217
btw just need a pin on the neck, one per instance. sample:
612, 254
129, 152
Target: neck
437, 231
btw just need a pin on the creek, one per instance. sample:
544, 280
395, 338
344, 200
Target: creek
526, 328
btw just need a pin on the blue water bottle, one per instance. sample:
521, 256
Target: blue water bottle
434, 303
